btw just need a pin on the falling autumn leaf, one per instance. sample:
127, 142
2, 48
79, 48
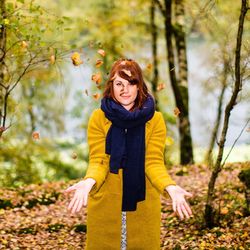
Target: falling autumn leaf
101, 52
74, 155
24, 44
160, 86
149, 67
127, 72
96, 96
86, 92
97, 78
35, 135
98, 63
76, 59
176, 112
52, 59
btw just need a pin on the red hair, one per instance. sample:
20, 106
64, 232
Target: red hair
122, 67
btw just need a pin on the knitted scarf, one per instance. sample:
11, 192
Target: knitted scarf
125, 143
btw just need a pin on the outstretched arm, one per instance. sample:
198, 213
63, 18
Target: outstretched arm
157, 172
155, 168
98, 160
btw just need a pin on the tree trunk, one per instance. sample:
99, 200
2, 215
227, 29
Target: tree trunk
154, 52
2, 65
180, 40
209, 213
179, 88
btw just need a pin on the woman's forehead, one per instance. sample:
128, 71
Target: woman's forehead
116, 77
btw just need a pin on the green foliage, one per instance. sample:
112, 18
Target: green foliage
47, 162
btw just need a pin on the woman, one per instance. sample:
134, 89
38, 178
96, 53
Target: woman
126, 172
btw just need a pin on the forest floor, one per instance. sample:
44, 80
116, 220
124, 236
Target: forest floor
36, 216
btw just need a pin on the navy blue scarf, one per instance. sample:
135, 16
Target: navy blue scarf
125, 143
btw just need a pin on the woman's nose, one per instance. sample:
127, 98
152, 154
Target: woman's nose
125, 88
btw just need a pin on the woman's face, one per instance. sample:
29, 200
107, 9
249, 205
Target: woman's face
124, 92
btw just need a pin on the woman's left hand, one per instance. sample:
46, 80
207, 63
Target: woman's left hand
179, 203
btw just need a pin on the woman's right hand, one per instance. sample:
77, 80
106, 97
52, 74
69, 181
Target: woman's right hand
82, 189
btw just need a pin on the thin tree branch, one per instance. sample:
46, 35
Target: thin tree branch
161, 8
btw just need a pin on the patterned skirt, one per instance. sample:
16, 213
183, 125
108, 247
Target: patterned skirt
123, 232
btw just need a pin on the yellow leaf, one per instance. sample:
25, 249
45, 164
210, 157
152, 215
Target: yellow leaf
24, 44
76, 59
52, 59
6, 21
169, 141
149, 67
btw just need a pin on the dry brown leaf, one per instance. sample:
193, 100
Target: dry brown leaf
98, 63
176, 111
96, 96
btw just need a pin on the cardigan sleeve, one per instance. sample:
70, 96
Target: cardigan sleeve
98, 160
155, 168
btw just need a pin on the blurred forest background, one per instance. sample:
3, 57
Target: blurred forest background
54, 60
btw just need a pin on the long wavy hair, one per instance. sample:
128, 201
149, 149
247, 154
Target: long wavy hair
129, 70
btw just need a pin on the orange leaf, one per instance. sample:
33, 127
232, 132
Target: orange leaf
97, 78
149, 66
176, 111
52, 59
98, 63
160, 86
35, 135
224, 210
101, 52
24, 44
76, 59
96, 96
